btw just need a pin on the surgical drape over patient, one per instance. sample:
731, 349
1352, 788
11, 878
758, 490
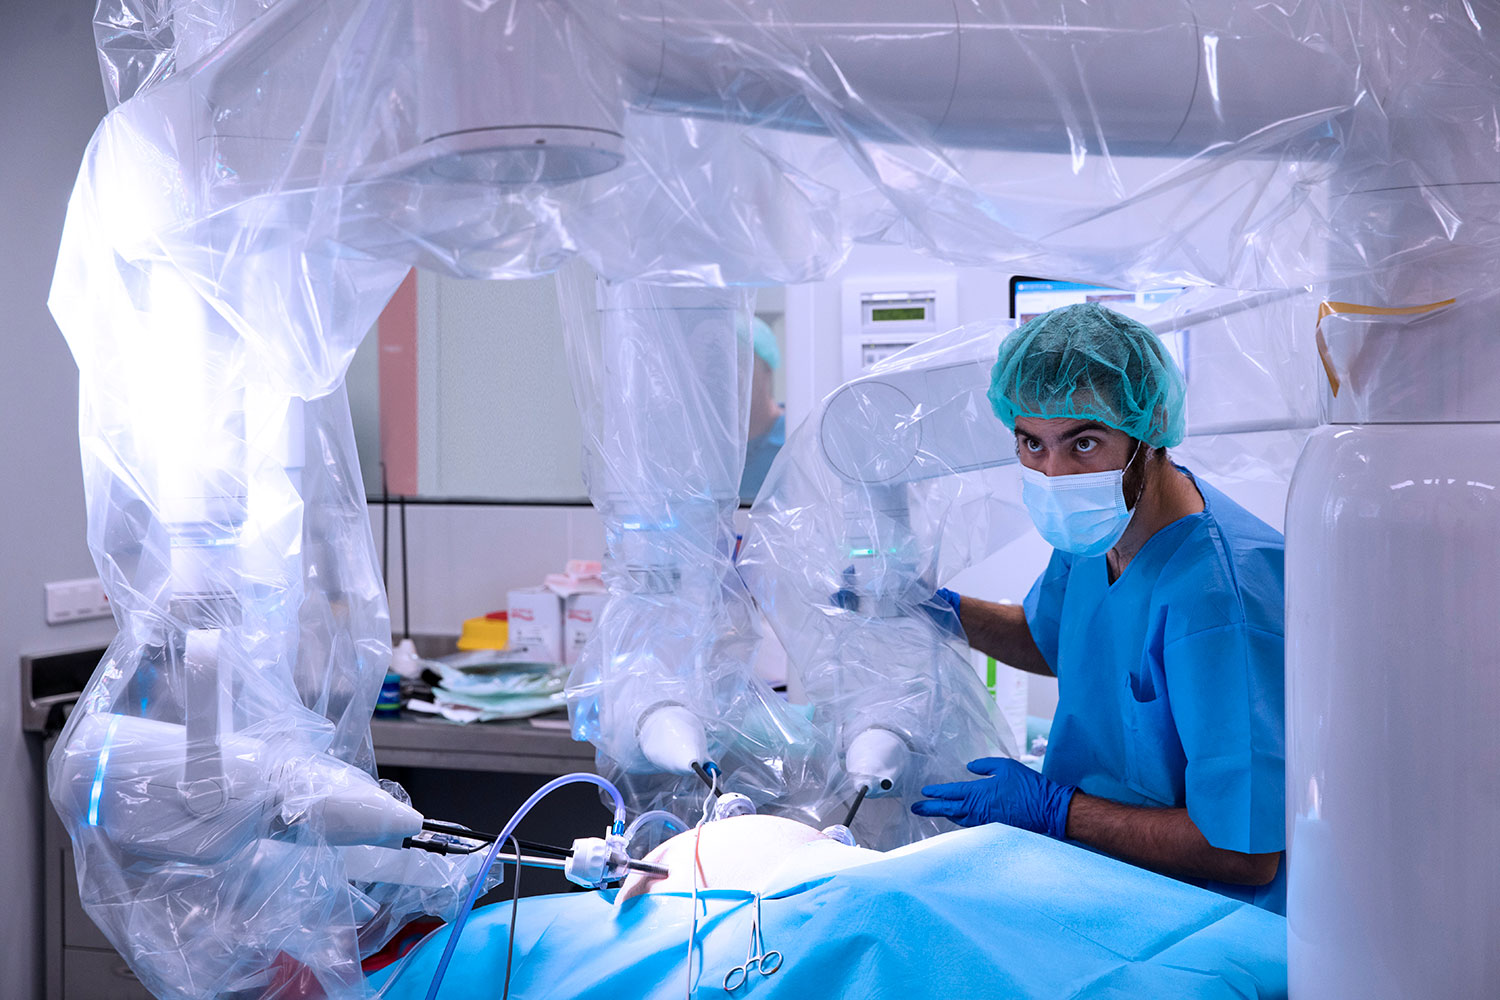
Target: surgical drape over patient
992, 911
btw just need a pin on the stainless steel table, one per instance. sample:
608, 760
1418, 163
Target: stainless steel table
511, 747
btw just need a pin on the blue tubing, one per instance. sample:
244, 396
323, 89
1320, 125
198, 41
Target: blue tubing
489, 861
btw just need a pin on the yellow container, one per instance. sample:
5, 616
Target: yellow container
492, 631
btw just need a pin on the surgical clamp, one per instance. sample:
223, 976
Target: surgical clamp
766, 961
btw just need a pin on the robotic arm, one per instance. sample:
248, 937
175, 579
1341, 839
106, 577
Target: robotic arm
904, 449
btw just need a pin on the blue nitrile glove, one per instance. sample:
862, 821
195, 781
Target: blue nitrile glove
941, 609
937, 608
1013, 794
845, 597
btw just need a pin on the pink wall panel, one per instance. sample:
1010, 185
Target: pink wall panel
397, 330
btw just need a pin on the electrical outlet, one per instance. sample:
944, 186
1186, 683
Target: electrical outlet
76, 600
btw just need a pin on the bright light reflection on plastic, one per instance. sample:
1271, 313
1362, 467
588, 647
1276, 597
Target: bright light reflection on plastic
109, 739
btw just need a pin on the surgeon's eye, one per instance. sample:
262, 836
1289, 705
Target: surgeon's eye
1032, 445
1085, 446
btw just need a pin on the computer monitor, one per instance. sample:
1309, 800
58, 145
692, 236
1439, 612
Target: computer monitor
1030, 297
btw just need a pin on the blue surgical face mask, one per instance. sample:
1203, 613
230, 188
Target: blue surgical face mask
1082, 514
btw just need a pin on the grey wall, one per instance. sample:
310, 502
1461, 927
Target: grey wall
50, 100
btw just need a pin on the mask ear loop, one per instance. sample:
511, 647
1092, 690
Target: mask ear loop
1109, 556
1142, 491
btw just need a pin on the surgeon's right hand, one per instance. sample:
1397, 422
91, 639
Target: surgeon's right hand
941, 609
1012, 794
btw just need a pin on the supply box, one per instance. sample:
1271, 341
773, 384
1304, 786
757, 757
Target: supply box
582, 617
535, 619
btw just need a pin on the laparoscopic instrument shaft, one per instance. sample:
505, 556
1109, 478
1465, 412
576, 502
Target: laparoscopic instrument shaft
858, 801
538, 856
708, 774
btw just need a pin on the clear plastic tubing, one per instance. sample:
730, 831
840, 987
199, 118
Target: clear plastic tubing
489, 861
646, 817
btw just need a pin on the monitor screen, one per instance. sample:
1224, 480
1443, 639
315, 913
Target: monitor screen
1030, 297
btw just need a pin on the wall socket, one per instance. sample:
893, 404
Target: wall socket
76, 600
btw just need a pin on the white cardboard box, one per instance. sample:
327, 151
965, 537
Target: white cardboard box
536, 617
583, 611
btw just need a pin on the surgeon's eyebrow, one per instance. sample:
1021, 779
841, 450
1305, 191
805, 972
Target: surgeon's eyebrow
1085, 428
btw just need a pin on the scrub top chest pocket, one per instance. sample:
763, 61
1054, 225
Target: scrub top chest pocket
1154, 761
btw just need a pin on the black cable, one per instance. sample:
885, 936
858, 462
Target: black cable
858, 801
515, 906
405, 588
421, 501
463, 850
385, 533
443, 826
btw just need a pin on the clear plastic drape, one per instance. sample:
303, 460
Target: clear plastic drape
270, 170
661, 376
899, 479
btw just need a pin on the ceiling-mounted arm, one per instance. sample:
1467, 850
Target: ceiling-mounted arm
1161, 77
510, 101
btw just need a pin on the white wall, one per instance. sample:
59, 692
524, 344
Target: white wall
53, 99
813, 316
464, 559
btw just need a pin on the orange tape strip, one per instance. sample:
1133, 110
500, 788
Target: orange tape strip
1329, 308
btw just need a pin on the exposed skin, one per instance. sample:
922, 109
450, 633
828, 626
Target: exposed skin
730, 853
1163, 840
763, 406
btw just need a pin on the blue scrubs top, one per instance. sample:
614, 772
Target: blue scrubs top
759, 454
1170, 680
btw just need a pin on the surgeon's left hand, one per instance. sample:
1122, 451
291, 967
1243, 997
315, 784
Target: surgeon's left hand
1012, 793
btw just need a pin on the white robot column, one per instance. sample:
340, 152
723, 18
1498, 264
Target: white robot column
1393, 595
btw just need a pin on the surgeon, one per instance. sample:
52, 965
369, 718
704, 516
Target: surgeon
767, 416
1160, 614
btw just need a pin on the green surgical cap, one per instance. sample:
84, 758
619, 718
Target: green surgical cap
1091, 363
762, 340
765, 343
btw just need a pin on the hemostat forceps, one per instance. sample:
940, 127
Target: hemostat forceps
766, 961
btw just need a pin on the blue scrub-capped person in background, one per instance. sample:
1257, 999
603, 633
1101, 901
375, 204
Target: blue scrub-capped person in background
1160, 614
767, 417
